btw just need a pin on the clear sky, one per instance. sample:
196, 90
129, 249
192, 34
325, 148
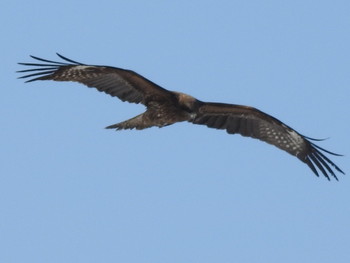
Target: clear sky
72, 191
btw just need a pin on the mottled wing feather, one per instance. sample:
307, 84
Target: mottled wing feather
253, 123
124, 84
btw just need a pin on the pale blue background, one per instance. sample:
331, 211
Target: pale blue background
71, 191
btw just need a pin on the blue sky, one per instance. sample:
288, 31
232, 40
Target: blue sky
71, 191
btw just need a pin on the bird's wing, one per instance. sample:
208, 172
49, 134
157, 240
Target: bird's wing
124, 84
253, 123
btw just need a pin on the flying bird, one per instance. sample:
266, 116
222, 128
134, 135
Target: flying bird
164, 107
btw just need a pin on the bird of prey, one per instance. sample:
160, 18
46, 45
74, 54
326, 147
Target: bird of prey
164, 107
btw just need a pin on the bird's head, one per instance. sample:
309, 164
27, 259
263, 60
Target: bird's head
186, 101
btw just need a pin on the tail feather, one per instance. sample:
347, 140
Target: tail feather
134, 123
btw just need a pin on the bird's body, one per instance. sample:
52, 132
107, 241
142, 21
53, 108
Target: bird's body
158, 114
164, 107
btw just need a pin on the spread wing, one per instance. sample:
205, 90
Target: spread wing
124, 84
253, 123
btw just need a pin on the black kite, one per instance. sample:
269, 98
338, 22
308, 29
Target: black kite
166, 107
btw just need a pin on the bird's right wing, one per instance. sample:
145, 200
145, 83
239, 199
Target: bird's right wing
124, 84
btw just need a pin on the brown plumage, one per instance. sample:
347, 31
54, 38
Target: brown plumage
166, 107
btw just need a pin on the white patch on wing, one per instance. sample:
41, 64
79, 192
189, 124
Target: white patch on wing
80, 67
298, 141
79, 70
296, 137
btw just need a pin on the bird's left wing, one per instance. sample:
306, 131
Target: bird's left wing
253, 123
124, 84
